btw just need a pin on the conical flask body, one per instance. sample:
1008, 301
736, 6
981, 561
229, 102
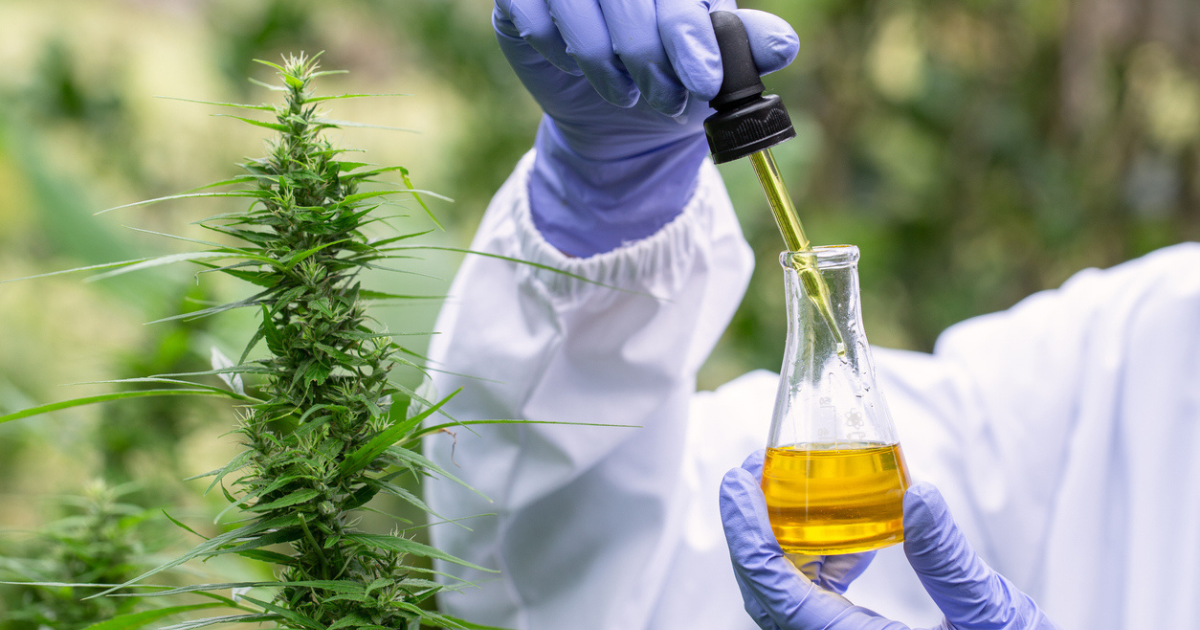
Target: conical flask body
834, 476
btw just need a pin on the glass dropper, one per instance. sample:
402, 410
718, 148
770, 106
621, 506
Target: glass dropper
748, 124
793, 236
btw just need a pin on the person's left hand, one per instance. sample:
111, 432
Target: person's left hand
748, 531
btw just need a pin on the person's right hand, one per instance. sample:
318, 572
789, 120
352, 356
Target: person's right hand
625, 85
589, 62
779, 597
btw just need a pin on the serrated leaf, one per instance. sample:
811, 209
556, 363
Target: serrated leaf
380, 295
438, 620
290, 615
410, 547
269, 557
212, 621
91, 400
318, 99
266, 108
99, 267
298, 257
273, 88
273, 126
328, 122
469, 423
346, 622
367, 453
160, 261
180, 525
266, 540
417, 460
159, 379
253, 300
207, 547
417, 195
394, 239
299, 496
271, 333
233, 193
132, 621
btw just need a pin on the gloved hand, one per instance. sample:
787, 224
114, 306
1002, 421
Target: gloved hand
625, 85
779, 597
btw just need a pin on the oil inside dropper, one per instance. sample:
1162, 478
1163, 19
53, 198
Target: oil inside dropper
793, 236
748, 123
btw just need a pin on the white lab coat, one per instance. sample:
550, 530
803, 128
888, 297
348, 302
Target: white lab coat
1063, 432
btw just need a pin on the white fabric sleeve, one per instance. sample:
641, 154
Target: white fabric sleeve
587, 524
1064, 434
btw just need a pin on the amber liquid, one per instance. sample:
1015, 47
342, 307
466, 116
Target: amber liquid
838, 500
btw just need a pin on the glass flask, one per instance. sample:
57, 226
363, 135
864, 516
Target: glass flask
834, 476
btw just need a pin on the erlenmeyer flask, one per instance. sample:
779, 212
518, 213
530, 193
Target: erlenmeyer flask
834, 476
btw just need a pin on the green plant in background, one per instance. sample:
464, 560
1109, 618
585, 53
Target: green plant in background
150, 431
976, 152
327, 432
100, 541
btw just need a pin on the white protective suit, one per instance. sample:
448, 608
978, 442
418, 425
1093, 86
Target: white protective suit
1063, 432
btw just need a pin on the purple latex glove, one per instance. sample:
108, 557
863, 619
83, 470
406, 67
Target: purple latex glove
625, 85
778, 597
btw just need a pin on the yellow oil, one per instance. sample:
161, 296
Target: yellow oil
793, 237
839, 500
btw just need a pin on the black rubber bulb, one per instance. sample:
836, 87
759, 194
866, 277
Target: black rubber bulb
741, 79
746, 121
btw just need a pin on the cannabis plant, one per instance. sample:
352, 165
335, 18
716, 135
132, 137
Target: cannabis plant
327, 430
98, 541
149, 431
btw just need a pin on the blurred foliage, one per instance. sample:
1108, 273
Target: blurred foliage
455, 40
98, 541
977, 152
143, 435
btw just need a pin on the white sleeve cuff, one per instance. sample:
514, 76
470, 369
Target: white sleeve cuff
658, 264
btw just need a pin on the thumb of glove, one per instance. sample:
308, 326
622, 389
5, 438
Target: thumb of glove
969, 592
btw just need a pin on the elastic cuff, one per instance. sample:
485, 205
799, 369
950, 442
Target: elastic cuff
586, 207
657, 263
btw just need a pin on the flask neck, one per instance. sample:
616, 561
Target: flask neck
824, 304
827, 393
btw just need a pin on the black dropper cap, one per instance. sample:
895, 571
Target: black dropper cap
746, 121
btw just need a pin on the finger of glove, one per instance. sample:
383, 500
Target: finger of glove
790, 599
773, 42
753, 608
633, 27
836, 573
530, 21
689, 42
554, 90
830, 572
691, 45
754, 463
582, 26
963, 586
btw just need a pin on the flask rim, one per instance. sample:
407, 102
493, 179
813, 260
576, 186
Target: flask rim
822, 257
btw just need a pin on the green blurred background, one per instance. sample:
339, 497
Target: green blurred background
976, 151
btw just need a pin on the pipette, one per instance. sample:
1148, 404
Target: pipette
749, 124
